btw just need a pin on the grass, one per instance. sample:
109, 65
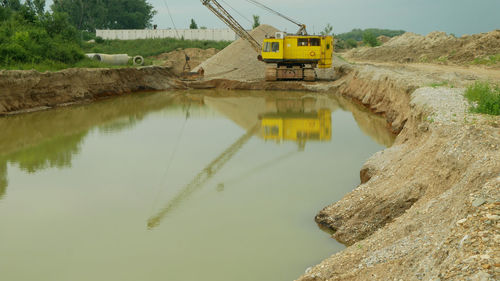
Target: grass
489, 60
442, 59
149, 47
442, 84
484, 97
55, 66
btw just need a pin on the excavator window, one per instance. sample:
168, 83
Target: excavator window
315, 41
267, 47
302, 42
275, 46
271, 130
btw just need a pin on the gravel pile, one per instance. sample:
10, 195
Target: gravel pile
238, 61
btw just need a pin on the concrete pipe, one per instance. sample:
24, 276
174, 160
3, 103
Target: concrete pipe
138, 60
120, 59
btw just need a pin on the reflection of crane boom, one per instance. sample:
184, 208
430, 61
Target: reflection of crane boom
202, 177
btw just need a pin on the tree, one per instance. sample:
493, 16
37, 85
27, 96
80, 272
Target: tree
193, 25
370, 39
14, 5
39, 6
101, 14
256, 21
328, 30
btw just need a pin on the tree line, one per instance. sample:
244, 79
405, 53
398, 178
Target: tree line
359, 36
90, 15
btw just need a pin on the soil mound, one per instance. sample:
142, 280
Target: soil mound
238, 61
435, 47
175, 60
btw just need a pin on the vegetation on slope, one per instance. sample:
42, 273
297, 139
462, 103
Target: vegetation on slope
28, 35
485, 98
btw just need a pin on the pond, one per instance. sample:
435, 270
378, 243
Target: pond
196, 185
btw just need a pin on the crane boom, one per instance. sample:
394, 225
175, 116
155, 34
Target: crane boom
302, 27
224, 15
202, 177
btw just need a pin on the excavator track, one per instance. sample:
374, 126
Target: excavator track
309, 74
271, 74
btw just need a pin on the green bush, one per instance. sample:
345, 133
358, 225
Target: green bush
28, 37
351, 43
485, 98
99, 40
370, 39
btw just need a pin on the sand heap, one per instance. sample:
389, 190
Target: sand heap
176, 59
435, 47
238, 61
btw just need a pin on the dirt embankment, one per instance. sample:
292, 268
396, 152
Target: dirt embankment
32, 90
437, 47
428, 208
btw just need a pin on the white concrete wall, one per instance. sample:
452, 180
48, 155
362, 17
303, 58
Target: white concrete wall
188, 34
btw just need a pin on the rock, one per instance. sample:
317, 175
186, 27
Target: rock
463, 240
478, 202
492, 217
460, 222
480, 276
423, 127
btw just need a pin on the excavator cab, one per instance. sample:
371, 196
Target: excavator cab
296, 56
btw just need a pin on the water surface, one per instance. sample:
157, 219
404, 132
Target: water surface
178, 185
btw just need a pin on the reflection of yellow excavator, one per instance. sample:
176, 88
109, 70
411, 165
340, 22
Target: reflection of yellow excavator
292, 124
288, 57
298, 127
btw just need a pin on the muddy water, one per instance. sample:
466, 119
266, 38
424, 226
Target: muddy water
178, 186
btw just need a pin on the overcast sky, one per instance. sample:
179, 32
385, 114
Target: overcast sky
419, 16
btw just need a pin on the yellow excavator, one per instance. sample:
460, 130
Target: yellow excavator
288, 57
